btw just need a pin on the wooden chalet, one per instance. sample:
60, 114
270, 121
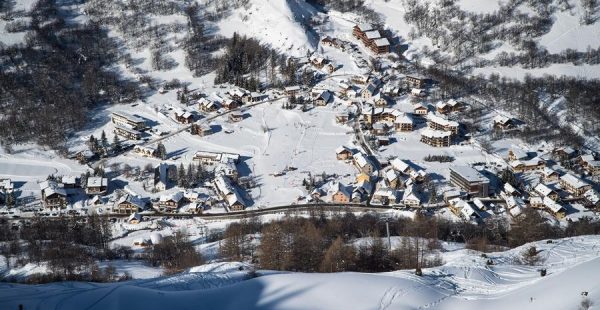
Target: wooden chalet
522, 166
54, 196
415, 81
128, 204
404, 123
292, 90
341, 193
342, 118
170, 203
343, 153
420, 110
502, 122
96, 186
184, 117
574, 185
207, 106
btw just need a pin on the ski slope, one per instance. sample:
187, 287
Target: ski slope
464, 282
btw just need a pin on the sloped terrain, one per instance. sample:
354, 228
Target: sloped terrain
464, 282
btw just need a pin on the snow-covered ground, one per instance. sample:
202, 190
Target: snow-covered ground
463, 282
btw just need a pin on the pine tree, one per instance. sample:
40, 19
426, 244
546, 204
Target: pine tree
93, 144
104, 140
161, 151
181, 182
117, 147
199, 177
190, 176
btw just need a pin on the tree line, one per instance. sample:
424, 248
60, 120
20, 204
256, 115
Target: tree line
61, 67
346, 242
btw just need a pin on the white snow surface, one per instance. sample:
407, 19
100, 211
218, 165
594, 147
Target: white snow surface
463, 282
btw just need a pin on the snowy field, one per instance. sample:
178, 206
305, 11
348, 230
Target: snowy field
463, 282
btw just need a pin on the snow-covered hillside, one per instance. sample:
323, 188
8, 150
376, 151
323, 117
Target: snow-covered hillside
464, 282
274, 22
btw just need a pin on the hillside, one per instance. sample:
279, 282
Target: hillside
464, 282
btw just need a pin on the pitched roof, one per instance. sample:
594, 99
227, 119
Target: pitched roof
574, 181
430, 133
365, 27
176, 197
400, 165
543, 190
97, 182
441, 121
374, 34
382, 42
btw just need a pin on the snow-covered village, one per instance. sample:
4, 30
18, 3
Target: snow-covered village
302, 154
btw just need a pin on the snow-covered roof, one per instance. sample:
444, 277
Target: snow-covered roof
183, 114
69, 179
191, 195
527, 162
6, 184
176, 197
325, 95
400, 165
453, 103
132, 200
361, 159
404, 119
343, 148
552, 205
519, 153
391, 175
441, 121
227, 189
509, 188
134, 216
419, 106
338, 187
536, 200
430, 133
543, 190
501, 119
365, 27
469, 173
129, 117
587, 158
467, 210
548, 171
478, 203
97, 182
516, 210
592, 196
292, 88
574, 181
382, 42
410, 195
374, 34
